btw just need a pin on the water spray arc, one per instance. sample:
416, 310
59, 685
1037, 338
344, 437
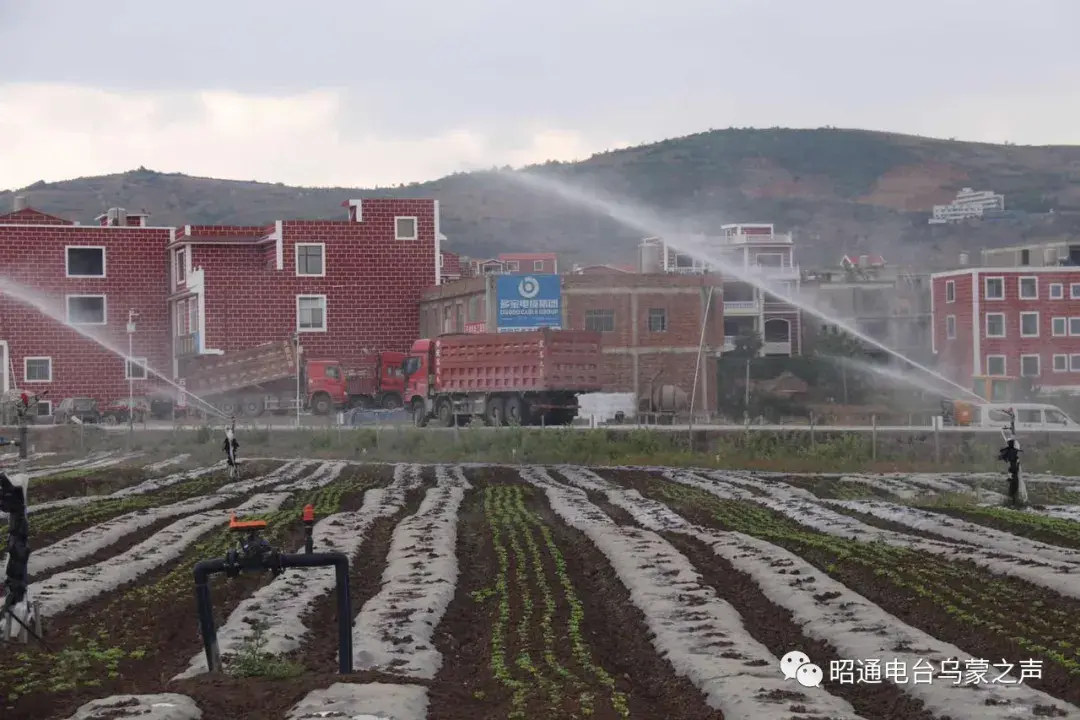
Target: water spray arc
649, 224
44, 305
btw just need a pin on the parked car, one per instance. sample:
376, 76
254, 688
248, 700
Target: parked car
118, 411
83, 408
162, 406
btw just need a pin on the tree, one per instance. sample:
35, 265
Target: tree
834, 377
748, 344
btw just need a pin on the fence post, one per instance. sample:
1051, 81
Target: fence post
937, 439
813, 435
873, 438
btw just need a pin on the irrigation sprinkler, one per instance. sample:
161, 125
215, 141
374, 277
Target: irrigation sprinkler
230, 449
22, 422
1011, 454
254, 554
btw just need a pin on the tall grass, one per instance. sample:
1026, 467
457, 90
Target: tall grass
794, 451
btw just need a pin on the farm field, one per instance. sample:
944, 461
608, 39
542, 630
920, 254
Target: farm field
497, 591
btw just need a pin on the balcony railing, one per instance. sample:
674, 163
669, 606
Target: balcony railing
777, 348
742, 306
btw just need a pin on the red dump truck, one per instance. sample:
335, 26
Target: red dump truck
263, 379
519, 378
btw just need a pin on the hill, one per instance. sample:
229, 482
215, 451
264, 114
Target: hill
839, 190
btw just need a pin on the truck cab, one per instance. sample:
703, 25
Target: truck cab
417, 373
380, 383
325, 384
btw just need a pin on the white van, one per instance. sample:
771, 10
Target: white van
1029, 416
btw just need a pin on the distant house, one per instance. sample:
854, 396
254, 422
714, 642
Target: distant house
968, 204
850, 262
604, 269
515, 264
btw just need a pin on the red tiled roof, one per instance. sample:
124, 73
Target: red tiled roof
30, 216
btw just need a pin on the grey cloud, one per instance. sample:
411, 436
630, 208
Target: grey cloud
421, 67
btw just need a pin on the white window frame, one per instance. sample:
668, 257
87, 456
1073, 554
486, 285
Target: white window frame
950, 327
1063, 357
986, 325
296, 258
986, 288
326, 322
104, 309
193, 311
135, 362
104, 261
1074, 362
649, 318
538, 265
1020, 287
758, 256
181, 317
1037, 321
397, 229
44, 402
950, 291
1074, 291
1057, 291
1071, 321
1004, 365
1064, 327
26, 369
180, 273
1038, 362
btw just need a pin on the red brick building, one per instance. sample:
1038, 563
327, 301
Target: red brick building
1008, 322
348, 287
449, 266
90, 276
651, 324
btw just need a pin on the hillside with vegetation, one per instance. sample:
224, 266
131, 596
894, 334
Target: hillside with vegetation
840, 191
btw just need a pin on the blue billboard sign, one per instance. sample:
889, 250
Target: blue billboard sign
528, 302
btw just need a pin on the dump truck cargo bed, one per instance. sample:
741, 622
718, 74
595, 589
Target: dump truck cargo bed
251, 368
534, 361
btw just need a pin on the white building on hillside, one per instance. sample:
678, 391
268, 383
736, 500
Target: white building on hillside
747, 249
968, 204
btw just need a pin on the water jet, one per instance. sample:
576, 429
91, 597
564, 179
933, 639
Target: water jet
686, 242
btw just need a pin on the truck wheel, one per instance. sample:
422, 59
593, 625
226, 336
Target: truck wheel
446, 413
254, 407
229, 407
321, 404
495, 412
516, 412
391, 402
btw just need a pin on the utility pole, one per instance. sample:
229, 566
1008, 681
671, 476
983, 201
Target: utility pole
697, 362
299, 371
132, 314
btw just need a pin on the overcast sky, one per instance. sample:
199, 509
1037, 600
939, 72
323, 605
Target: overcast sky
377, 92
